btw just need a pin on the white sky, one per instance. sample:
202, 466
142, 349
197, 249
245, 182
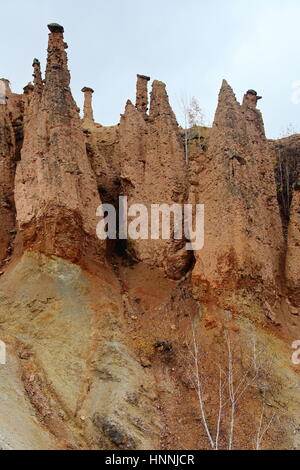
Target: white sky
191, 45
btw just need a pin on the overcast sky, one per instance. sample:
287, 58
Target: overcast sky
191, 45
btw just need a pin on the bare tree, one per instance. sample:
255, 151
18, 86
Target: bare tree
193, 117
184, 107
262, 431
232, 386
199, 388
195, 113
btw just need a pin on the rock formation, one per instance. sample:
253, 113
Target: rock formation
142, 93
7, 173
102, 146
88, 107
56, 191
153, 171
106, 341
243, 234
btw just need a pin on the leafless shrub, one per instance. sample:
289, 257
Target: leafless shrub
193, 116
232, 386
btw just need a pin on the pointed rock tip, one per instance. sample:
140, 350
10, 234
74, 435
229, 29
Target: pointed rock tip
129, 103
129, 108
28, 87
227, 90
55, 28
225, 85
35, 62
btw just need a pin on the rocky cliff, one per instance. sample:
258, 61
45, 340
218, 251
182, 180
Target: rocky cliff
243, 227
139, 343
8, 164
55, 188
153, 171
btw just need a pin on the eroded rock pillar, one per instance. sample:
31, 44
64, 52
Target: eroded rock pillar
88, 107
142, 93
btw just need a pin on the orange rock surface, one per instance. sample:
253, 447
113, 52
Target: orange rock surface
55, 190
140, 344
